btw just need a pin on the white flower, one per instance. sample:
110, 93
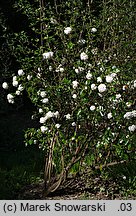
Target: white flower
124, 87
92, 108
38, 75
67, 30
75, 84
15, 83
102, 88
11, 101
68, 116
128, 104
130, 115
109, 115
47, 55
81, 41
21, 72
74, 96
83, 56
5, 85
94, 51
35, 141
61, 69
43, 120
102, 69
118, 96
20, 88
10, 98
73, 124
93, 86
18, 92
88, 76
124, 177
77, 70
43, 94
29, 77
56, 114
14, 78
45, 100
50, 68
93, 30
113, 75
39, 69
132, 128
99, 79
43, 129
57, 125
49, 114
109, 79
40, 110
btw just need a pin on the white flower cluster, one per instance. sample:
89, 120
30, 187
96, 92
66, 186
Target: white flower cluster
93, 86
81, 41
88, 75
57, 126
99, 79
130, 115
40, 110
132, 128
67, 30
74, 96
68, 116
102, 88
5, 85
93, 30
29, 77
21, 72
43, 129
15, 82
83, 56
10, 98
43, 94
79, 70
94, 51
20, 88
109, 115
92, 108
45, 100
110, 77
60, 68
75, 84
47, 55
48, 116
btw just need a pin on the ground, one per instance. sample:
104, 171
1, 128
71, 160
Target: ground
83, 187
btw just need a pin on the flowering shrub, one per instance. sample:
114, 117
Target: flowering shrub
85, 104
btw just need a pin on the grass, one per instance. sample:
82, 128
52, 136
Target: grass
18, 169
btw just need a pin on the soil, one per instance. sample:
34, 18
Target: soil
82, 187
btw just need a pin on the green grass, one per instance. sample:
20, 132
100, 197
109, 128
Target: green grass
18, 169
